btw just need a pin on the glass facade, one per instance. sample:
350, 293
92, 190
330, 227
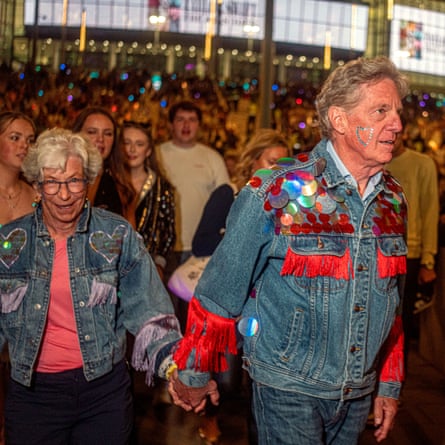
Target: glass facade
343, 25
120, 34
306, 22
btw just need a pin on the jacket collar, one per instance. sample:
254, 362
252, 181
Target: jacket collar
82, 225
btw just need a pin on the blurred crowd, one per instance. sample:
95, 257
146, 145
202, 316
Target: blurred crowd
54, 99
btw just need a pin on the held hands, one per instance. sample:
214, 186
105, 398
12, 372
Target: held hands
190, 398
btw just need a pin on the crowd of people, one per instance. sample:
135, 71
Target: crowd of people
109, 186
228, 108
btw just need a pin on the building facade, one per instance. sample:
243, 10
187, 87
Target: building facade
223, 38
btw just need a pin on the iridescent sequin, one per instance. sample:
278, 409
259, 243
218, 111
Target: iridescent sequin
248, 326
302, 203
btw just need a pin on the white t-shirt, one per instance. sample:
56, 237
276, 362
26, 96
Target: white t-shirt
195, 172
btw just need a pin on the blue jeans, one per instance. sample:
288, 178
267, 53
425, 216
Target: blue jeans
289, 418
64, 409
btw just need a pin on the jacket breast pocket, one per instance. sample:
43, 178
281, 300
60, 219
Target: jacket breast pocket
103, 289
391, 262
318, 257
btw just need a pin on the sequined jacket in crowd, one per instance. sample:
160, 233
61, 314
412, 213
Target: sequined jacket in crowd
309, 274
155, 219
114, 284
107, 196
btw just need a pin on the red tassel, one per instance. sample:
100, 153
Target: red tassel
210, 336
318, 265
390, 266
393, 364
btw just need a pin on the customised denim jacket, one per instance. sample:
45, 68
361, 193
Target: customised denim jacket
114, 286
308, 275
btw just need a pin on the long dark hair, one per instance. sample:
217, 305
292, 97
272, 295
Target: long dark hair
115, 162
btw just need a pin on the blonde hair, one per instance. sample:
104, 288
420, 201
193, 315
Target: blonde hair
263, 138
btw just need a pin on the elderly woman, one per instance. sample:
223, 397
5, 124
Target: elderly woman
73, 279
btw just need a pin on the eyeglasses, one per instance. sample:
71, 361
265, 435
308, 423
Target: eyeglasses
52, 187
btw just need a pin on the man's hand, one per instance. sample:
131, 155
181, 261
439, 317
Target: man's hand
188, 397
385, 410
426, 275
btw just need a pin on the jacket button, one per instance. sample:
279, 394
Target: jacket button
360, 267
37, 306
82, 304
357, 308
87, 337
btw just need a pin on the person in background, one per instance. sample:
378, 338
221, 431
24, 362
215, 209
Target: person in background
112, 188
262, 151
17, 133
154, 206
17, 197
65, 313
308, 272
195, 171
231, 159
418, 176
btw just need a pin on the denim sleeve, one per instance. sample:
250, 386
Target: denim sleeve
141, 292
145, 306
240, 257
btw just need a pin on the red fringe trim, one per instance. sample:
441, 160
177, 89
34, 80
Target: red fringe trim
318, 265
390, 266
393, 358
210, 336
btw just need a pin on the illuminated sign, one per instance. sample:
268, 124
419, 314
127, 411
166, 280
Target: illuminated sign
307, 22
418, 40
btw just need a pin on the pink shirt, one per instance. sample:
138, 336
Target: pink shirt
60, 350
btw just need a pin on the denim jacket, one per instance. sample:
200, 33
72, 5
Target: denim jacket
309, 272
114, 286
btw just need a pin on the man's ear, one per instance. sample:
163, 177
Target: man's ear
337, 117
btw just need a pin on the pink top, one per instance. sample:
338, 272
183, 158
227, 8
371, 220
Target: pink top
60, 350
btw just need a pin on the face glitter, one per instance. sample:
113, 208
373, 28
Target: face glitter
364, 135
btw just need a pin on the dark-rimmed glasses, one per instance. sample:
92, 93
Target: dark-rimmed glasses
52, 187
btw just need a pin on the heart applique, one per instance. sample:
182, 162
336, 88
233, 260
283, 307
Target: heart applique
109, 246
11, 245
364, 135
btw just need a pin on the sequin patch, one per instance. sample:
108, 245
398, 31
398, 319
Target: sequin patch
108, 246
11, 245
301, 204
259, 177
390, 211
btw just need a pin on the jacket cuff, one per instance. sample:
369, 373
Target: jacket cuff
389, 389
193, 378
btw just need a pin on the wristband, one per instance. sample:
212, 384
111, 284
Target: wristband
170, 370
